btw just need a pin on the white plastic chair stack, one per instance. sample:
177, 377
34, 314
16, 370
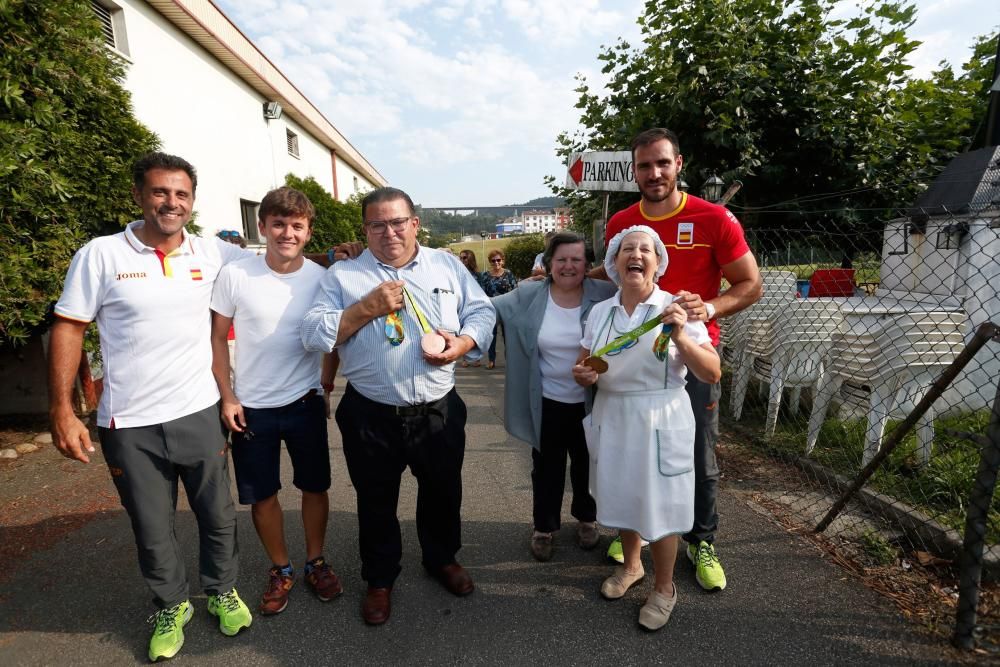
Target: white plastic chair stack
898, 359
802, 334
754, 328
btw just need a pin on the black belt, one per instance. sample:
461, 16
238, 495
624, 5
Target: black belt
419, 410
308, 394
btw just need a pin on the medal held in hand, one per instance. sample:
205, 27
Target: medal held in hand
623, 342
431, 342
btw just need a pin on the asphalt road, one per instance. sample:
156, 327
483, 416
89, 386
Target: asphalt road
82, 601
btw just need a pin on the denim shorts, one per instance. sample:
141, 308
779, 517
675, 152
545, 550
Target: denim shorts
257, 451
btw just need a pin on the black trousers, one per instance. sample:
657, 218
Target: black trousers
705, 403
562, 435
380, 441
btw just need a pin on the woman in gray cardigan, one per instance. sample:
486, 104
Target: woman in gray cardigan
544, 406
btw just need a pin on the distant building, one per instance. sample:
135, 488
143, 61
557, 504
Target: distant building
215, 99
545, 220
510, 226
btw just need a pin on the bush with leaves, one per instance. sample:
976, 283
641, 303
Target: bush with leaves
520, 254
335, 221
67, 142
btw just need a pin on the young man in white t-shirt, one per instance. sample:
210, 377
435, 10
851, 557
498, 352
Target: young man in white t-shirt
279, 393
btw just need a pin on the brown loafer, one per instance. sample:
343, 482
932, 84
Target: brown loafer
455, 579
377, 606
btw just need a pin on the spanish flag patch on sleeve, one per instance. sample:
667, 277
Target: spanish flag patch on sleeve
195, 274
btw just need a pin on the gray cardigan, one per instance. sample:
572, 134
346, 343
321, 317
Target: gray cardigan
522, 311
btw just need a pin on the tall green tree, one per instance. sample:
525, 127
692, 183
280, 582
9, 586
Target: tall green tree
816, 115
67, 142
335, 221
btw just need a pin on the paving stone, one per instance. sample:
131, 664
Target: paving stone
43, 439
8, 454
26, 448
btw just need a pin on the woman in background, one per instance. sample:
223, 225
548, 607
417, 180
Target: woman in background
497, 280
468, 258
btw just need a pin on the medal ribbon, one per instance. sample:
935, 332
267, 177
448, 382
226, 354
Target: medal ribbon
424, 324
628, 337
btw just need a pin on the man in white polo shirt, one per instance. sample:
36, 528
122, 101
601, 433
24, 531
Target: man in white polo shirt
149, 288
279, 391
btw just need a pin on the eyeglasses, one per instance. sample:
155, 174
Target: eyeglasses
380, 226
496, 260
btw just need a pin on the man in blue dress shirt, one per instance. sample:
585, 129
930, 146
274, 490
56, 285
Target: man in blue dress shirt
389, 313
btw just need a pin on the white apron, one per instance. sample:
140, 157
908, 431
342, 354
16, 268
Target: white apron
641, 441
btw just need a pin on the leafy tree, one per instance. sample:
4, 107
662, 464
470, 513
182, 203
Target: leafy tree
780, 95
335, 221
67, 142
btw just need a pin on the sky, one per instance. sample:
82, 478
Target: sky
459, 102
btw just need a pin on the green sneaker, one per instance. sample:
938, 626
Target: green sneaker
708, 569
233, 614
168, 631
615, 551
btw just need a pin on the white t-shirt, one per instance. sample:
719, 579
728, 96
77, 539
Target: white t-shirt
539, 262
558, 347
272, 367
155, 325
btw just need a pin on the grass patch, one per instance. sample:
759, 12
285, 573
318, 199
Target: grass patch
940, 489
878, 549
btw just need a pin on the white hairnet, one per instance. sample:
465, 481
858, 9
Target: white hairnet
609, 258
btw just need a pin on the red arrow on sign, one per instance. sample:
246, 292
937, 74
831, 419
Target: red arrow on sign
576, 171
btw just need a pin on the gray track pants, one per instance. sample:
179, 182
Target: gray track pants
145, 464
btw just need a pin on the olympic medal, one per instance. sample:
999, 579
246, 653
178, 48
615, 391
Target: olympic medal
597, 364
432, 343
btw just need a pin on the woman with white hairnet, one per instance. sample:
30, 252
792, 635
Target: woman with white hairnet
637, 348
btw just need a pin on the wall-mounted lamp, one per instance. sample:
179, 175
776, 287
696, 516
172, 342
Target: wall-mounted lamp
272, 111
712, 189
950, 236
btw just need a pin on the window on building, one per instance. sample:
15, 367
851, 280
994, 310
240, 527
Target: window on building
248, 211
357, 184
112, 22
293, 143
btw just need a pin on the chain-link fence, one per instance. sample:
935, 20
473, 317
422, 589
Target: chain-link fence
864, 352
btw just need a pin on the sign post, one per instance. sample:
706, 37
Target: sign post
601, 171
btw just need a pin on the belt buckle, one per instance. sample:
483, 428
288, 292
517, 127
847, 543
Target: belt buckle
410, 410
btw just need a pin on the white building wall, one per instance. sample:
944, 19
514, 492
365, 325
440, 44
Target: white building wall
347, 178
206, 114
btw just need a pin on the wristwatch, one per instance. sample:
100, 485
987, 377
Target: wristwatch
709, 311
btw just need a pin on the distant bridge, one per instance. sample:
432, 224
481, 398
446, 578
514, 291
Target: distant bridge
514, 209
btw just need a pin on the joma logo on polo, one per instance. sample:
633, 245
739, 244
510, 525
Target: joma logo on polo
126, 276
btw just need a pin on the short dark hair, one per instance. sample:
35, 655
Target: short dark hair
379, 195
286, 201
652, 135
158, 160
562, 238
